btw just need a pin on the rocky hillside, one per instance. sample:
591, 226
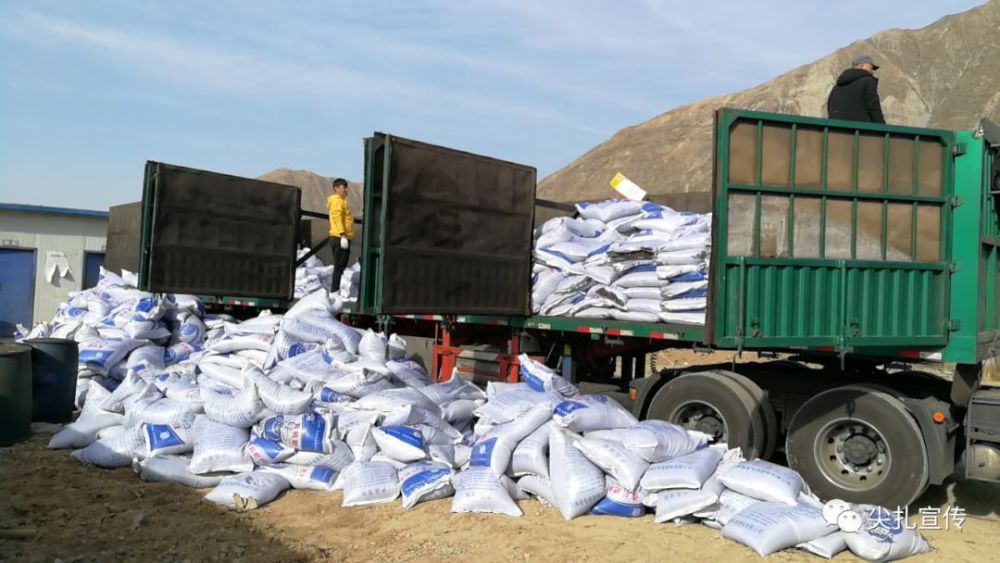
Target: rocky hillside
943, 75
315, 188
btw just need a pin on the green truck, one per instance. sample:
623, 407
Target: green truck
852, 253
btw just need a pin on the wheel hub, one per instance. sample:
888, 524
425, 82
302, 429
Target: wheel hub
860, 449
703, 418
853, 454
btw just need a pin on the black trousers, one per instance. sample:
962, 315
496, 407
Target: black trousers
340, 259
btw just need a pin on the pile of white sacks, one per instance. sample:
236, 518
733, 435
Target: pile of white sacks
313, 275
624, 260
250, 409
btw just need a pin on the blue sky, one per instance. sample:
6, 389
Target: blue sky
90, 90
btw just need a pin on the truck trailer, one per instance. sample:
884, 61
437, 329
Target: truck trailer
854, 254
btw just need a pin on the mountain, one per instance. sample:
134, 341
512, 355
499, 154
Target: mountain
316, 189
943, 75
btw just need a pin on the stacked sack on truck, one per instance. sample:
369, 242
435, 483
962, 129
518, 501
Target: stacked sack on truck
623, 260
311, 275
303, 401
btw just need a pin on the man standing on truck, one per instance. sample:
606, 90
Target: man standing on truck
341, 229
855, 96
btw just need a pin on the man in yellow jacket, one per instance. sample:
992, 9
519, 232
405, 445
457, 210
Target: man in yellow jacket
341, 229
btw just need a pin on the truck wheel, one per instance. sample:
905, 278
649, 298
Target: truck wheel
763, 402
858, 444
714, 404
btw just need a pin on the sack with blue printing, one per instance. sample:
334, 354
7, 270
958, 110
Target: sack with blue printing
237, 342
381, 457
361, 440
83, 431
174, 468
414, 415
311, 327
881, 535
619, 501
592, 412
304, 477
729, 505
369, 482
540, 377
167, 439
115, 402
189, 304
338, 459
147, 358
460, 410
609, 210
538, 487
494, 450
248, 491
672, 504
330, 398
264, 451
389, 400
160, 410
218, 447
220, 377
658, 440
685, 472
241, 409
452, 389
359, 384
768, 527
402, 443
101, 355
478, 489
442, 453
626, 466
827, 546
114, 451
310, 364
424, 481
190, 329
311, 432
319, 302
278, 398
578, 484
508, 403
764, 481
178, 353
144, 329
409, 372
531, 454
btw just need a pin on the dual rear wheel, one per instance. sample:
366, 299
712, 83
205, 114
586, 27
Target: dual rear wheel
857, 443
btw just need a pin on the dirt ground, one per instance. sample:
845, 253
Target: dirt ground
54, 508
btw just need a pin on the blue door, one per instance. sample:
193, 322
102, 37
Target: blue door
92, 262
17, 288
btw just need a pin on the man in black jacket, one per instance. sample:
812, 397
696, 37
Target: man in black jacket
855, 96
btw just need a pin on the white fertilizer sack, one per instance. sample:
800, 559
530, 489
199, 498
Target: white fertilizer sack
247, 491
478, 489
369, 482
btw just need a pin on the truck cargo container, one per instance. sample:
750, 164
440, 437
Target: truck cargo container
856, 252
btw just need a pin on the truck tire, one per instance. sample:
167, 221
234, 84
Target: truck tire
858, 444
763, 402
715, 404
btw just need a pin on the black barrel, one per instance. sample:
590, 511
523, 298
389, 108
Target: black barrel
53, 377
15, 393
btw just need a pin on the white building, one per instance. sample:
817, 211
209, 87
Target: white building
45, 253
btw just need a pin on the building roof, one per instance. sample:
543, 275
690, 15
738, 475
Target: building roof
24, 208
